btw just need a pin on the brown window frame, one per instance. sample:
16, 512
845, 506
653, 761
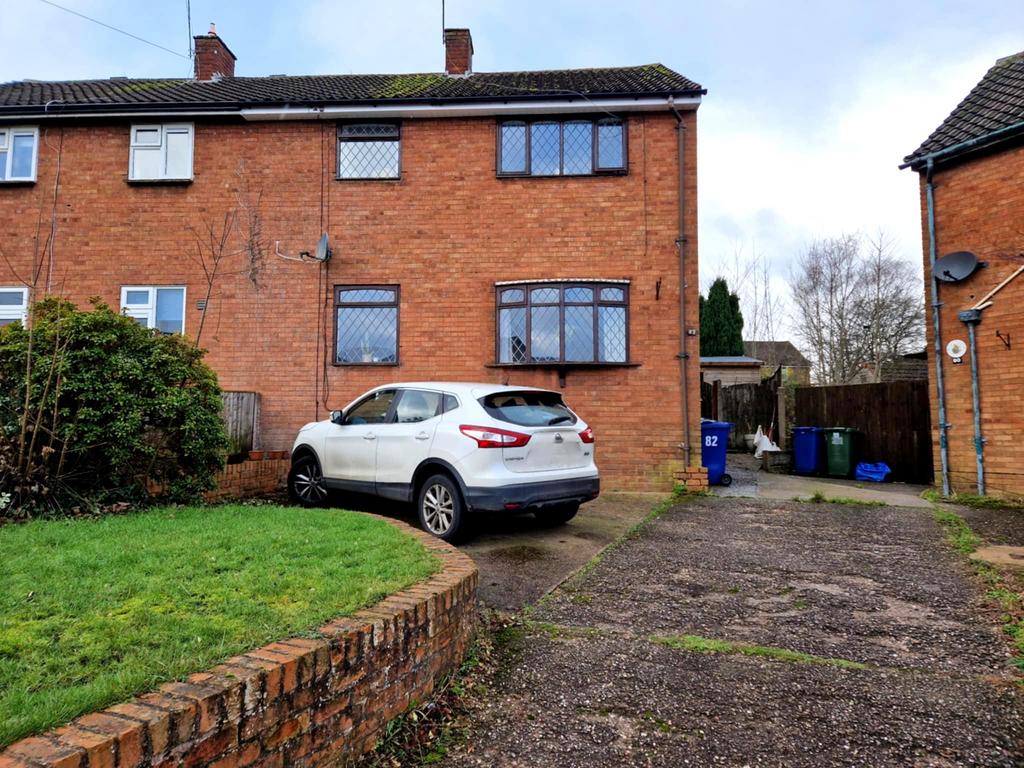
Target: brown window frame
595, 168
339, 138
561, 285
396, 304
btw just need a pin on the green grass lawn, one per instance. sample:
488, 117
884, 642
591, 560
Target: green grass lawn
94, 611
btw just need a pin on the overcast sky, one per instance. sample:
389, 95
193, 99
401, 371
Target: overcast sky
811, 103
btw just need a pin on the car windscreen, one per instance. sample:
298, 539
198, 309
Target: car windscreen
528, 409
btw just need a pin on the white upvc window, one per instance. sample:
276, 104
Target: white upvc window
160, 307
161, 152
19, 153
13, 305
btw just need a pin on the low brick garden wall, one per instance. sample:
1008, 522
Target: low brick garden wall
303, 701
692, 478
263, 472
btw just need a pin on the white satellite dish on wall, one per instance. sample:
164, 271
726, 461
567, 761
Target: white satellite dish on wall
956, 349
323, 248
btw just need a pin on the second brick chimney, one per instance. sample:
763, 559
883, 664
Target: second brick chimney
213, 59
458, 52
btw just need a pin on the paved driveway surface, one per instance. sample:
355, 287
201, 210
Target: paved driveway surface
903, 668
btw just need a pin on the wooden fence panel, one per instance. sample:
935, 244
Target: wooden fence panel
242, 419
895, 418
748, 406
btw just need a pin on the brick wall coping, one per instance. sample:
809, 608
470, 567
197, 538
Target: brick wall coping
304, 700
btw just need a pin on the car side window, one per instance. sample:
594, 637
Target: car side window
416, 405
372, 410
450, 403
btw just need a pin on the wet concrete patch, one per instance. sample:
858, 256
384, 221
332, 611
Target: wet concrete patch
871, 584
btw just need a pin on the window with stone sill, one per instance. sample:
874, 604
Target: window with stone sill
570, 323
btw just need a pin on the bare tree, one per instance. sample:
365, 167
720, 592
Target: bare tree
750, 276
855, 304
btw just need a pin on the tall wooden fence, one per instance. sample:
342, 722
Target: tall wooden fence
895, 418
242, 419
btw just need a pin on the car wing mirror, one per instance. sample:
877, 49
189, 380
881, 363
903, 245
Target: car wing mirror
337, 417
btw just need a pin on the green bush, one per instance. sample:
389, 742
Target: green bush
114, 412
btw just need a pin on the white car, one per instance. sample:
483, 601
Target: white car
453, 449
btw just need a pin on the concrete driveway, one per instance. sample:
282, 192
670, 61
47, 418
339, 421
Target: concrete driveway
748, 632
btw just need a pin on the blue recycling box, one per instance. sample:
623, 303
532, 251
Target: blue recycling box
714, 438
808, 447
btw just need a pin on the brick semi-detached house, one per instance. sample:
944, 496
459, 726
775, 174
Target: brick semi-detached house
972, 199
525, 227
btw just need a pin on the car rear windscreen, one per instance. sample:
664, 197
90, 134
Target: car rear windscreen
528, 409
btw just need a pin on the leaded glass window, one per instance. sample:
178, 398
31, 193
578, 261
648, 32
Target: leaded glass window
366, 325
368, 151
563, 323
571, 147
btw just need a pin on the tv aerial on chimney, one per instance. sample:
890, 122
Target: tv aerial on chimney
957, 266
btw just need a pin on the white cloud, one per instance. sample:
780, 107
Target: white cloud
781, 188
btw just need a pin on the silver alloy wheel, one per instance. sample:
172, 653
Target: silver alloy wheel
438, 509
309, 483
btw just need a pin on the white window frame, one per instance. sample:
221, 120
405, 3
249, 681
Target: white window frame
8, 312
147, 312
163, 129
7, 134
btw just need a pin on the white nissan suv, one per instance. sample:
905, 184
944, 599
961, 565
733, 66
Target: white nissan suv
452, 449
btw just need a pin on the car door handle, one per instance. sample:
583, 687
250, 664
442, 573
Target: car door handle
422, 436
369, 436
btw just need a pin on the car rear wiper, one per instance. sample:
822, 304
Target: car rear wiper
559, 420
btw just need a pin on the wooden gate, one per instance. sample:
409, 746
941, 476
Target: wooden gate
242, 419
895, 418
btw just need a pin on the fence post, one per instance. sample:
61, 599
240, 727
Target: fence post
780, 400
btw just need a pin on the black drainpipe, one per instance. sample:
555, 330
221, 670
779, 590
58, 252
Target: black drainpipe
681, 243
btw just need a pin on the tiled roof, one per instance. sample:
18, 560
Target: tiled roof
776, 353
729, 360
996, 103
73, 96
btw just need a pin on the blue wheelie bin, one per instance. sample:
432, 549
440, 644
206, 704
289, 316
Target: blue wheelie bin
714, 438
808, 447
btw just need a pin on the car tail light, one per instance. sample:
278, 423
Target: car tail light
587, 435
491, 437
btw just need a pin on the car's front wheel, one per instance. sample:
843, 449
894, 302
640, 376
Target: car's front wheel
306, 482
440, 507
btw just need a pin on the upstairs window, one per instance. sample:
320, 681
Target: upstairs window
561, 147
368, 151
19, 149
13, 305
563, 323
161, 152
155, 307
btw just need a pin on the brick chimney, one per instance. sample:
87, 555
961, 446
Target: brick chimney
213, 59
458, 52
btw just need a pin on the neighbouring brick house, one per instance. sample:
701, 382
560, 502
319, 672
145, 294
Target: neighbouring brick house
972, 182
525, 227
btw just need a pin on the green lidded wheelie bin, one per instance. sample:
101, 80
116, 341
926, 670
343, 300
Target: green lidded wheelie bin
842, 450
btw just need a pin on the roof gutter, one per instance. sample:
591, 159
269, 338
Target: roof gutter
929, 159
540, 107
423, 107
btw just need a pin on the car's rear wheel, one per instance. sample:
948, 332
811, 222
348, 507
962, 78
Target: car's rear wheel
440, 507
306, 482
559, 515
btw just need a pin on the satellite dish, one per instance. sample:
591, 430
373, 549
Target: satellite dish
956, 266
956, 349
323, 248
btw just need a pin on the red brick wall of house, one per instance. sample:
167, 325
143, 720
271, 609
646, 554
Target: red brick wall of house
446, 232
979, 207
